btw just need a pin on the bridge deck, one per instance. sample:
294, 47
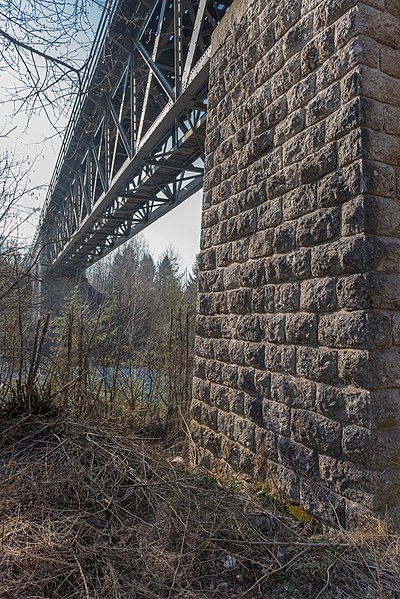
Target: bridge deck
133, 149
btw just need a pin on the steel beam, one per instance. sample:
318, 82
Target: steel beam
133, 148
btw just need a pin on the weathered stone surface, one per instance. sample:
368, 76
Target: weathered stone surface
273, 327
293, 391
287, 297
284, 480
357, 445
344, 330
280, 358
347, 479
326, 505
344, 404
317, 364
297, 457
300, 201
263, 299
301, 329
253, 408
354, 368
265, 445
385, 409
262, 383
319, 226
353, 292
318, 295
276, 417
298, 326
316, 166
316, 432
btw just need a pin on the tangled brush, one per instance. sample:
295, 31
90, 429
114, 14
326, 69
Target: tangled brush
90, 511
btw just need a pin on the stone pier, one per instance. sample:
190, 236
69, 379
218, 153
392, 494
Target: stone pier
298, 326
53, 291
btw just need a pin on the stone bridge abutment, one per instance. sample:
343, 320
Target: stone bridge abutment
298, 328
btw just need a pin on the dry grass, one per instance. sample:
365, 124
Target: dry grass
91, 511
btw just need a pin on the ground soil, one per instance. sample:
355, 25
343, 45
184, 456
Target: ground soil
91, 510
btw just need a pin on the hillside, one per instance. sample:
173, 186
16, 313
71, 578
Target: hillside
94, 511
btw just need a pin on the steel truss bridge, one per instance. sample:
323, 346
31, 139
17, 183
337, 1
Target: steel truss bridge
133, 149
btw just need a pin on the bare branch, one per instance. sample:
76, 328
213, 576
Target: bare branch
8, 132
44, 55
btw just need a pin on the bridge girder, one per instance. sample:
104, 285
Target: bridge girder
134, 146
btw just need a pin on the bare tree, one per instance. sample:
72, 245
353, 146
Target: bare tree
43, 50
15, 290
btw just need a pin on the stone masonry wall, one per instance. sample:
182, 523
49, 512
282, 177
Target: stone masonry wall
298, 327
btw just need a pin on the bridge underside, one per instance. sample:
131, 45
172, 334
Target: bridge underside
134, 146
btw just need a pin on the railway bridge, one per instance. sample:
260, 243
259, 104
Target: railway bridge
292, 109
134, 146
